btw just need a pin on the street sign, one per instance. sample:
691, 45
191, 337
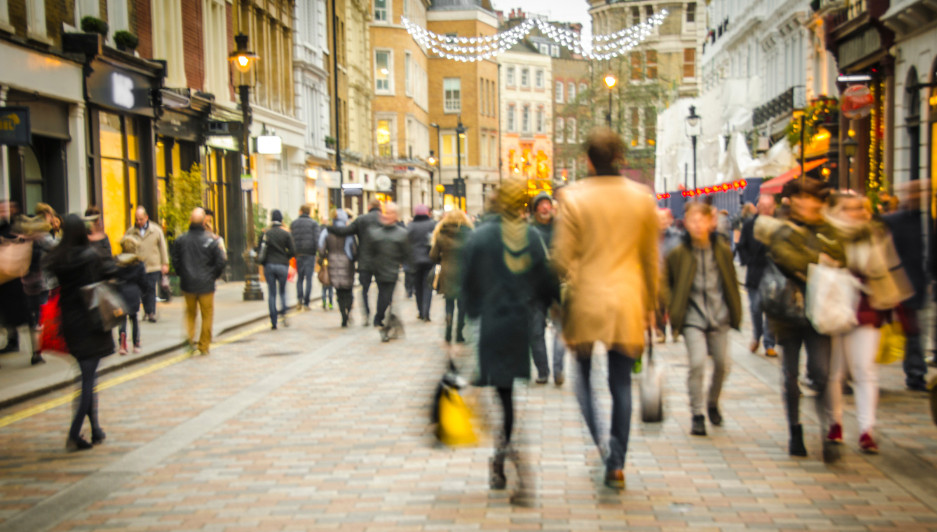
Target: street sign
247, 183
14, 126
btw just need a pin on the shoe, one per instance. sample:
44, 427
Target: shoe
497, 480
918, 387
459, 339
715, 417
867, 444
427, 320
98, 438
559, 378
331, 307
136, 348
771, 353
542, 380
830, 452
286, 322
273, 326
77, 444
123, 344
835, 434
795, 446
36, 359
753, 347
367, 318
698, 427
615, 479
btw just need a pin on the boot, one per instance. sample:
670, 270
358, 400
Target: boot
796, 445
449, 329
123, 343
498, 480
524, 496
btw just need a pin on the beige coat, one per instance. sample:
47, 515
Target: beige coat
605, 249
151, 247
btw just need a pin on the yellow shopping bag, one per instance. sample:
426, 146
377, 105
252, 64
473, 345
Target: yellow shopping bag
455, 420
891, 344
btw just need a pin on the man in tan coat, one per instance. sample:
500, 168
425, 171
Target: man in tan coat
605, 249
151, 246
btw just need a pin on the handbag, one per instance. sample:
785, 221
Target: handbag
781, 298
452, 416
323, 274
165, 290
105, 305
891, 343
833, 295
15, 257
262, 249
50, 322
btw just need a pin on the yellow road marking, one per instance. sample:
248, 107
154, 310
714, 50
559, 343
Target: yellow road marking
110, 383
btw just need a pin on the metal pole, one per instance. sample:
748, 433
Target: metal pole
803, 177
694, 161
338, 143
608, 116
458, 163
252, 291
432, 193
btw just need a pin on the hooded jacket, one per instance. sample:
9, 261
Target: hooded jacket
447, 252
420, 235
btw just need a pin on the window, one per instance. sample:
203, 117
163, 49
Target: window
650, 60
539, 79
511, 118
383, 72
689, 63
525, 77
650, 125
540, 120
582, 89
635, 126
384, 135
380, 10
407, 73
635, 66
545, 49
510, 77
554, 50
452, 95
571, 91
571, 124
559, 130
691, 12
649, 11
559, 92
525, 119
448, 156
635, 15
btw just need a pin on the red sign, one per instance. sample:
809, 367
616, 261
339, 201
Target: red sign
856, 102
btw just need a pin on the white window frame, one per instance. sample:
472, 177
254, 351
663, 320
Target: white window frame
384, 14
510, 80
538, 78
525, 77
389, 89
571, 91
554, 50
559, 130
391, 119
511, 118
525, 118
582, 87
571, 126
449, 159
118, 17
408, 73
454, 105
559, 88
540, 119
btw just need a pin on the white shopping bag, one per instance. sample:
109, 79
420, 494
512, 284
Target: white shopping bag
832, 299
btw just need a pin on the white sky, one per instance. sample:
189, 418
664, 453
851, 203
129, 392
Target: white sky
556, 10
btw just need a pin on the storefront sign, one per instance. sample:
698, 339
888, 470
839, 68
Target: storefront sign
269, 145
120, 89
383, 183
222, 143
14, 126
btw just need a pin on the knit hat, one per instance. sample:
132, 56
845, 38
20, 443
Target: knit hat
421, 210
543, 196
276, 216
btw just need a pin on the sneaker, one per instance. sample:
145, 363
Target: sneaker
835, 434
753, 347
615, 479
771, 353
715, 417
331, 307
542, 380
559, 378
123, 344
698, 427
867, 444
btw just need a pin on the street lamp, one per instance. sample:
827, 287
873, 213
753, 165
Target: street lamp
694, 129
459, 183
438, 145
243, 59
431, 161
610, 81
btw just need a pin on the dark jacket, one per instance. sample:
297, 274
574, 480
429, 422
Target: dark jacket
198, 260
80, 268
132, 279
341, 268
752, 254
280, 246
447, 252
305, 233
545, 231
391, 250
908, 236
503, 301
679, 271
362, 227
420, 235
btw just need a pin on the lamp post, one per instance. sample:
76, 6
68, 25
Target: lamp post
439, 161
243, 59
432, 189
610, 81
693, 130
799, 104
459, 183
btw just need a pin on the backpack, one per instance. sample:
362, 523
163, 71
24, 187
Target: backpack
782, 299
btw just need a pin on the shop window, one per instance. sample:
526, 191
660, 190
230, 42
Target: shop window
119, 160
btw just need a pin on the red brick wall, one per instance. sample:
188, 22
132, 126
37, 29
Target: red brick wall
143, 27
193, 44
57, 12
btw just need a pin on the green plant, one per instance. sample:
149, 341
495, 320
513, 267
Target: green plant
91, 24
329, 140
261, 215
126, 40
817, 113
184, 193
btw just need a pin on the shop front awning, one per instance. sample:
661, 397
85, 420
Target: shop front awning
774, 186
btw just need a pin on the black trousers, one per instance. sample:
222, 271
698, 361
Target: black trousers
385, 296
422, 276
365, 277
149, 295
345, 299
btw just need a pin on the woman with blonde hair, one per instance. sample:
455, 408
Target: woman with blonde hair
448, 238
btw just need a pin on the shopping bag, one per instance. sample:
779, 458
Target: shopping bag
50, 322
832, 302
452, 416
891, 343
651, 386
105, 304
15, 257
165, 290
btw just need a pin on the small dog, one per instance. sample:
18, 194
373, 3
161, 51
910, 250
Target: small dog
393, 327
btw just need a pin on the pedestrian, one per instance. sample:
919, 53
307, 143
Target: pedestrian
339, 254
872, 259
362, 227
907, 231
542, 220
21, 296
670, 238
133, 283
703, 298
420, 235
793, 244
754, 256
280, 248
605, 248
97, 236
45, 233
305, 233
151, 247
198, 260
76, 263
505, 275
449, 237
391, 250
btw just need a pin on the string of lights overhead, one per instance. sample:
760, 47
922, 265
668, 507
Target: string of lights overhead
471, 49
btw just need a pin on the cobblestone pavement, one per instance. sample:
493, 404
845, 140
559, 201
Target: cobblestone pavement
313, 427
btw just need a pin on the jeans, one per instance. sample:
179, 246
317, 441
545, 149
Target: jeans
305, 269
135, 327
206, 305
385, 296
276, 284
538, 344
856, 350
460, 323
819, 354
619, 383
149, 294
915, 368
327, 295
758, 319
423, 288
365, 277
87, 404
699, 344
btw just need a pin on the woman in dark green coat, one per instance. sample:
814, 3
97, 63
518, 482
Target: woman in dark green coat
504, 271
